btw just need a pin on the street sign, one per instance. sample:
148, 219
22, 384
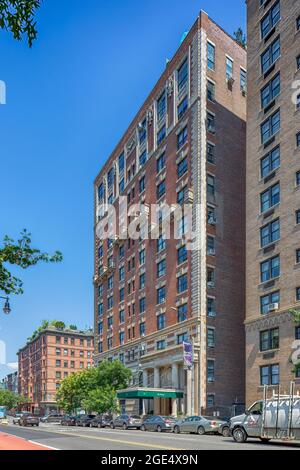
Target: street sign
188, 355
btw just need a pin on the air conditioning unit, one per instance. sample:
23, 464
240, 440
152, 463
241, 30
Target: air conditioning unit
212, 220
211, 284
273, 307
211, 252
244, 90
230, 81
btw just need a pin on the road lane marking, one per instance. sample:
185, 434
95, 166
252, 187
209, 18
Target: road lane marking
43, 445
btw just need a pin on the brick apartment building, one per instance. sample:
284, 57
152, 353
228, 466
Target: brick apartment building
273, 194
185, 145
49, 358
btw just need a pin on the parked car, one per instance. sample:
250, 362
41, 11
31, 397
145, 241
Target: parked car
158, 423
101, 421
68, 420
84, 420
126, 422
197, 425
224, 429
29, 420
51, 418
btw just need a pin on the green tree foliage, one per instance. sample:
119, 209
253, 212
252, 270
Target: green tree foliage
240, 38
18, 17
94, 389
21, 254
296, 316
11, 400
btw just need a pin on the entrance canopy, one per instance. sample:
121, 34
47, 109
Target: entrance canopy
135, 393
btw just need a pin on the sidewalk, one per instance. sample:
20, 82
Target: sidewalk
9, 442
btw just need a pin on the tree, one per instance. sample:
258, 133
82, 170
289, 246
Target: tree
296, 316
11, 400
240, 38
18, 17
21, 254
94, 389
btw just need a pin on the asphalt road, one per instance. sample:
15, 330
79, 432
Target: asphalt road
68, 438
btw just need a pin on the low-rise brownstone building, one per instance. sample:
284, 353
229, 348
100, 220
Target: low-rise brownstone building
47, 359
186, 145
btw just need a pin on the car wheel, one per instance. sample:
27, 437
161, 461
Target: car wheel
226, 431
159, 429
239, 435
177, 430
124, 427
200, 431
112, 426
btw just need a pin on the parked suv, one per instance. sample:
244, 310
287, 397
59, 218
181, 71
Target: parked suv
52, 418
126, 422
29, 420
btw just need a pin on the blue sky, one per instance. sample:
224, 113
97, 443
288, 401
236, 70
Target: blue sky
69, 99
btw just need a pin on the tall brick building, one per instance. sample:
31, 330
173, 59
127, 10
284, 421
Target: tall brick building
47, 359
273, 194
185, 145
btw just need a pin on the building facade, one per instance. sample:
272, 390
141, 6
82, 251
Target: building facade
49, 358
10, 382
273, 196
186, 146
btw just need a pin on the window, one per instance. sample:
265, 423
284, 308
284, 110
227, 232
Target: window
243, 80
181, 195
229, 68
211, 337
211, 152
182, 107
161, 345
182, 75
210, 401
298, 256
182, 313
122, 274
297, 332
142, 304
161, 135
270, 55
182, 138
182, 167
161, 322
267, 300
161, 163
122, 316
143, 158
270, 91
210, 371
161, 268
58, 363
101, 192
298, 178
122, 338
142, 329
121, 252
211, 127
143, 131
298, 23
211, 90
161, 106
211, 185
269, 340
211, 277
182, 255
182, 284
298, 217
142, 184
142, 282
269, 375
110, 282
211, 52
270, 162
270, 233
270, 20
270, 269
270, 127
211, 307
142, 257
122, 295
298, 62
211, 216
100, 347
183, 338
161, 244
110, 302
211, 251
58, 351
270, 198
161, 189
298, 294
161, 295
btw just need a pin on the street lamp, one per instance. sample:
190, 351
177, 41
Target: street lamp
6, 308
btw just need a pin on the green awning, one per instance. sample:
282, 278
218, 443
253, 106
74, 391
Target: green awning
149, 393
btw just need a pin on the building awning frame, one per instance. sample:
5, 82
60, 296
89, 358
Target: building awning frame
145, 393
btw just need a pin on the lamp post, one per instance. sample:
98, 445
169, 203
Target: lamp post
6, 308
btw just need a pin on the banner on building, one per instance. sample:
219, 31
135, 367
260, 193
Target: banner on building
188, 355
